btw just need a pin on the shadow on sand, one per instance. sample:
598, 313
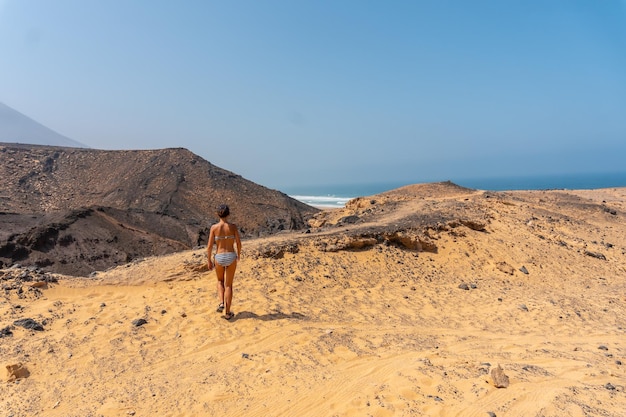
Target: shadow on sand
267, 317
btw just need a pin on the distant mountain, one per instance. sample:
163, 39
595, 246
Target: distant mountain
18, 128
74, 211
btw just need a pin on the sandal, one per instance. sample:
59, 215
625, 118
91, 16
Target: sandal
229, 315
220, 308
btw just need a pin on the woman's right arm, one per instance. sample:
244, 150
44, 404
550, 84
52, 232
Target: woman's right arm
238, 242
210, 248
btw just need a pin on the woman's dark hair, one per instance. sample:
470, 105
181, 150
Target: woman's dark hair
223, 210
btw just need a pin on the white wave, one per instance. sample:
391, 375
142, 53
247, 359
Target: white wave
329, 201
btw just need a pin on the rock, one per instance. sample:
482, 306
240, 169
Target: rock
506, 268
464, 286
596, 255
610, 386
524, 270
500, 379
603, 347
28, 324
523, 307
436, 398
348, 220
491, 414
17, 371
474, 225
139, 322
6, 332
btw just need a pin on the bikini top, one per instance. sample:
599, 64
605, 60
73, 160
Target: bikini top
224, 237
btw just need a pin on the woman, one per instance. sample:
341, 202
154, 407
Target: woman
224, 236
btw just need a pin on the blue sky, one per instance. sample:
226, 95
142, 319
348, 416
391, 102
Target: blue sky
314, 92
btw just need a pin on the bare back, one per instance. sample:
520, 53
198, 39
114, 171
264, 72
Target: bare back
225, 236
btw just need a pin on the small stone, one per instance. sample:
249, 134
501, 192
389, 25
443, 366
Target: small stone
524, 270
348, 220
464, 286
610, 386
17, 371
603, 347
500, 379
139, 322
245, 356
596, 255
28, 324
6, 332
618, 362
523, 307
491, 414
506, 268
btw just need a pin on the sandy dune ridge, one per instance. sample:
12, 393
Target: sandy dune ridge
397, 305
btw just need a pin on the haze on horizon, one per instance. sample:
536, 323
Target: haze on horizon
317, 92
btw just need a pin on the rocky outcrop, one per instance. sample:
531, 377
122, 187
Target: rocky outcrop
412, 218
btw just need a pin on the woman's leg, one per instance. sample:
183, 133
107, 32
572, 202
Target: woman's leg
219, 272
229, 276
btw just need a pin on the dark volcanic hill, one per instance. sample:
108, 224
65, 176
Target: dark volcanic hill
75, 210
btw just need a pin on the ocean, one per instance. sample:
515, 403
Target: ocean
337, 195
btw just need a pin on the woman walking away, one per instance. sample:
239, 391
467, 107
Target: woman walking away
224, 236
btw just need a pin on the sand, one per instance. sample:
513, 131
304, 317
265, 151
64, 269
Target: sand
376, 331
